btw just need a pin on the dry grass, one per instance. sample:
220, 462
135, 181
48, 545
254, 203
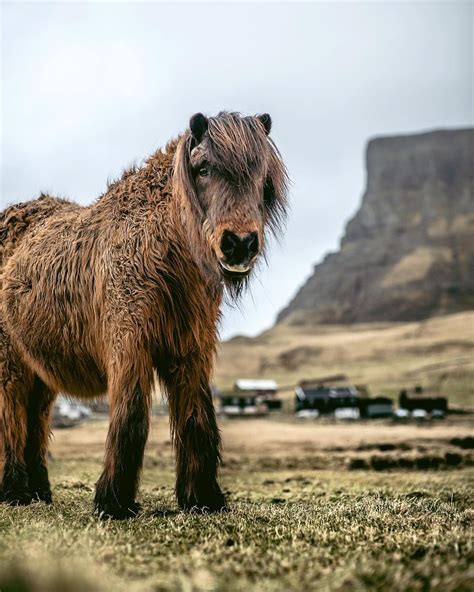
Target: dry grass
291, 526
437, 353
261, 436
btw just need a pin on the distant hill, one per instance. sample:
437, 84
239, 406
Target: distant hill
437, 353
408, 253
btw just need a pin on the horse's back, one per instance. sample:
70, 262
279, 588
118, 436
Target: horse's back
19, 220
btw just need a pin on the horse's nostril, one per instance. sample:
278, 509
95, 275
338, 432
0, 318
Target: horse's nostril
229, 242
239, 248
251, 241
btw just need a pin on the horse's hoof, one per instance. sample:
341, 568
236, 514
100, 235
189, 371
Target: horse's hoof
17, 497
106, 510
213, 502
39, 486
44, 496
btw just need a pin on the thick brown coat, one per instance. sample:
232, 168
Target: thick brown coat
94, 299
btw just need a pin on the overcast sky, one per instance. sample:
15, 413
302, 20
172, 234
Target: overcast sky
88, 88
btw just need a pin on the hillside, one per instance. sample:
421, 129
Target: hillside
437, 353
408, 253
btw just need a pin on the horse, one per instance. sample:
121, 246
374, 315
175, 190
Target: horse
99, 298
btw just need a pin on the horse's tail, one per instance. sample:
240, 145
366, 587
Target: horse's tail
18, 220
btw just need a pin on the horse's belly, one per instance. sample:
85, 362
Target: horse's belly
85, 385
65, 367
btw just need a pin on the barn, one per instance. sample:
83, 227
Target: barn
235, 404
375, 407
417, 401
265, 391
330, 395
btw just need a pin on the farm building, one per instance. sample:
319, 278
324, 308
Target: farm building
421, 403
327, 396
374, 407
334, 395
248, 398
235, 404
265, 391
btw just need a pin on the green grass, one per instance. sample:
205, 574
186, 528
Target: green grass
286, 530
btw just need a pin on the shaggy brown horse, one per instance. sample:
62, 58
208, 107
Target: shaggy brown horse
96, 298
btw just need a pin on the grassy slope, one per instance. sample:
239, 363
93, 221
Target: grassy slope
437, 353
288, 528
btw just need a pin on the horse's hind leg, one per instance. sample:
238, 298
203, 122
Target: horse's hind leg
40, 402
15, 384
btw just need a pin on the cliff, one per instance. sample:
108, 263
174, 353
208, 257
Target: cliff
408, 253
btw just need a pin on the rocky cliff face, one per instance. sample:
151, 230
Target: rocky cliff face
408, 253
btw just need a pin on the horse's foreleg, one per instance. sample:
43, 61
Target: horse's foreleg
197, 441
130, 405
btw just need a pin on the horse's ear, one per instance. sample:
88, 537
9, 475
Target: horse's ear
198, 125
266, 121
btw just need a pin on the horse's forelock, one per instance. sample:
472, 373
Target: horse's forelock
241, 148
237, 145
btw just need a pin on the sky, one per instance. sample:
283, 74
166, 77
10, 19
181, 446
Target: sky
89, 88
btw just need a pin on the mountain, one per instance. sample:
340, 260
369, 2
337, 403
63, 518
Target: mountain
408, 253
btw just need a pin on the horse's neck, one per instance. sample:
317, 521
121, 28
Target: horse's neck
144, 199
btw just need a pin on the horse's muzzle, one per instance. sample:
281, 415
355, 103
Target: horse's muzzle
239, 251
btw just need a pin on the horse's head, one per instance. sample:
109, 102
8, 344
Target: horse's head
232, 176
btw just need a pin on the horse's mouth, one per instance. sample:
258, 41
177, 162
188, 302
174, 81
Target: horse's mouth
235, 271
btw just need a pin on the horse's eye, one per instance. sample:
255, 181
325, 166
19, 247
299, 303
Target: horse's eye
203, 171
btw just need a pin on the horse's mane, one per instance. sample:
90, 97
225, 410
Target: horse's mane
155, 172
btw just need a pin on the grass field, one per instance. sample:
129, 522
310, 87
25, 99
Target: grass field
299, 518
437, 353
